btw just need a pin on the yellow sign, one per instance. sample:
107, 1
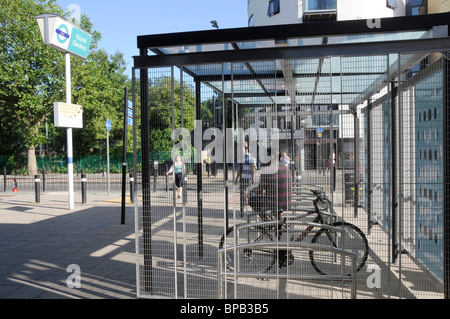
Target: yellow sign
68, 115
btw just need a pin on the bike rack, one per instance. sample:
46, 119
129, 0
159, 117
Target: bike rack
223, 273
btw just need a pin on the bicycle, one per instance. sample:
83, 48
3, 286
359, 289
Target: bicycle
269, 229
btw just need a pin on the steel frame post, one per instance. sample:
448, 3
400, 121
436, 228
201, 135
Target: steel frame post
146, 201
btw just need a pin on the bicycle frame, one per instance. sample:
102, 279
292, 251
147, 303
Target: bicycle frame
271, 226
318, 220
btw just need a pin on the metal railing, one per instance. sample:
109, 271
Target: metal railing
224, 273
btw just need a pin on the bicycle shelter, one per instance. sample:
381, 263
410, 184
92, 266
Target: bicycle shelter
361, 108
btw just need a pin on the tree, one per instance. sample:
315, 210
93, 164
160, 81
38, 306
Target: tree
207, 114
32, 78
160, 111
99, 87
30, 72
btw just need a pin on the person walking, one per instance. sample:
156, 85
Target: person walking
246, 173
285, 160
178, 168
246, 170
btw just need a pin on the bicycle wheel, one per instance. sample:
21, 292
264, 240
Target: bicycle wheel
351, 239
256, 259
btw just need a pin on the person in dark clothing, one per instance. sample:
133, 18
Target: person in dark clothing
276, 185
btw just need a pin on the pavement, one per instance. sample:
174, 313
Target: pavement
48, 251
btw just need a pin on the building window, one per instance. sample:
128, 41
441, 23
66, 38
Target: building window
391, 4
274, 7
313, 5
320, 10
416, 7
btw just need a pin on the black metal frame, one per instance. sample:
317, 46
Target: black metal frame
283, 32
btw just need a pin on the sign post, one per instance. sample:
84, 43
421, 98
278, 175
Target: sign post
67, 37
69, 136
319, 131
108, 127
127, 110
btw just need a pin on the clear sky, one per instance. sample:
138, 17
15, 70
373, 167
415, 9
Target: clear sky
121, 21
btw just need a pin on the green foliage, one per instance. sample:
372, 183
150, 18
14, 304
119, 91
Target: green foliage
207, 114
32, 78
160, 111
160, 99
29, 73
161, 139
99, 88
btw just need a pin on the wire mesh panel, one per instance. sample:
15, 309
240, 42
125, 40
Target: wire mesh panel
256, 127
288, 135
404, 178
203, 201
421, 214
156, 249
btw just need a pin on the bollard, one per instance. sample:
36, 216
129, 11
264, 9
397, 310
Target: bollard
37, 188
167, 183
334, 178
155, 176
131, 187
83, 187
43, 179
185, 188
4, 178
213, 169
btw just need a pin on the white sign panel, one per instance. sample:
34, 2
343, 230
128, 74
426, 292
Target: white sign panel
64, 35
130, 113
68, 115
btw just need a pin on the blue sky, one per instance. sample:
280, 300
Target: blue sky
120, 22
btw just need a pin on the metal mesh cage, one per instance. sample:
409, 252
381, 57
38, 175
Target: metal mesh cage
363, 134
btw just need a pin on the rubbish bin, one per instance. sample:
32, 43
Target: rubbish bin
349, 186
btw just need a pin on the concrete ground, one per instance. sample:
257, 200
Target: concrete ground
48, 251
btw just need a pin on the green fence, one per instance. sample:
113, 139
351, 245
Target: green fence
18, 164
58, 164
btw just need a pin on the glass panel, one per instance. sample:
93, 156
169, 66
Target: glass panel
292, 42
274, 7
320, 5
392, 4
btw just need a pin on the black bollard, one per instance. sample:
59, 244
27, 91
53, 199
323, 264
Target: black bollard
4, 178
167, 183
155, 176
37, 188
83, 187
43, 179
184, 193
131, 187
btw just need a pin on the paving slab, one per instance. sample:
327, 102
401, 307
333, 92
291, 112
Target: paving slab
51, 252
